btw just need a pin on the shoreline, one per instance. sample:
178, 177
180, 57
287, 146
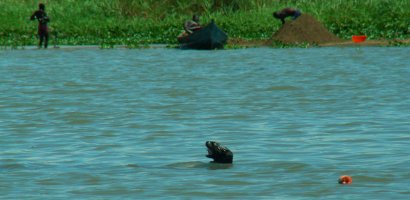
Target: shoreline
381, 43
74, 47
344, 43
231, 44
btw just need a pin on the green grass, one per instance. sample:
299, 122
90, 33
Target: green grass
136, 23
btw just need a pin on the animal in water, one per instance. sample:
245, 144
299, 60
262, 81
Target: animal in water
218, 153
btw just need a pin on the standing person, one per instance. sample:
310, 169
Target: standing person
287, 12
43, 19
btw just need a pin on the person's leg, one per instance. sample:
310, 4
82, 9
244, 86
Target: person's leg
40, 42
46, 40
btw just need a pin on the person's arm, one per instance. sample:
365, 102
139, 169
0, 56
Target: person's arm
46, 18
33, 16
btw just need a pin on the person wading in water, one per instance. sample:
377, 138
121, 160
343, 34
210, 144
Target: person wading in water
43, 19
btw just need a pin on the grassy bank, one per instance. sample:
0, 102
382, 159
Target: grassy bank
138, 22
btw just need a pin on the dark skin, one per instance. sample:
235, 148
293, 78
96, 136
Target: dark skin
43, 19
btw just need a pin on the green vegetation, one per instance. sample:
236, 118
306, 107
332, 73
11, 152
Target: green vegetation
136, 23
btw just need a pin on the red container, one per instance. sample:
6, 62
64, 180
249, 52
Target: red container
358, 38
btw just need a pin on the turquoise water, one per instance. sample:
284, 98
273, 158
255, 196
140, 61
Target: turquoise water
131, 124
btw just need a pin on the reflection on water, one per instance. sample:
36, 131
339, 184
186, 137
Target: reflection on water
87, 123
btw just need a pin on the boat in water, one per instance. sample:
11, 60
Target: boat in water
208, 37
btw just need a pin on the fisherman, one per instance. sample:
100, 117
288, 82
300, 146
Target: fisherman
43, 19
287, 12
193, 25
190, 26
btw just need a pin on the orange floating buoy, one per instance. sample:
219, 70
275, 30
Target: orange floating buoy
358, 38
345, 180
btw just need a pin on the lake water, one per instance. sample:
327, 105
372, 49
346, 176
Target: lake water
131, 124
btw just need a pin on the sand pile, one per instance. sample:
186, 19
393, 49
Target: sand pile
305, 29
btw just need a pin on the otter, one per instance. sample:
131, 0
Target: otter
219, 153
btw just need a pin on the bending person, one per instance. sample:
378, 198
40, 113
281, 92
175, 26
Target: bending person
287, 12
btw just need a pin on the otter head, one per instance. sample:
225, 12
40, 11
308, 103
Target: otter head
219, 153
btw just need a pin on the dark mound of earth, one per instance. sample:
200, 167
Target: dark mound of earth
305, 29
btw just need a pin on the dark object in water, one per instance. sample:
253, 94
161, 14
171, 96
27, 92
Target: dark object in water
219, 153
209, 37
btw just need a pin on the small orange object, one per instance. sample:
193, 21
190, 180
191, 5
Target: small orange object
358, 38
345, 180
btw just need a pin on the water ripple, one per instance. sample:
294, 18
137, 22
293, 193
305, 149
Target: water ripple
121, 123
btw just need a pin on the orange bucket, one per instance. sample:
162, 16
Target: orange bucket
358, 38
